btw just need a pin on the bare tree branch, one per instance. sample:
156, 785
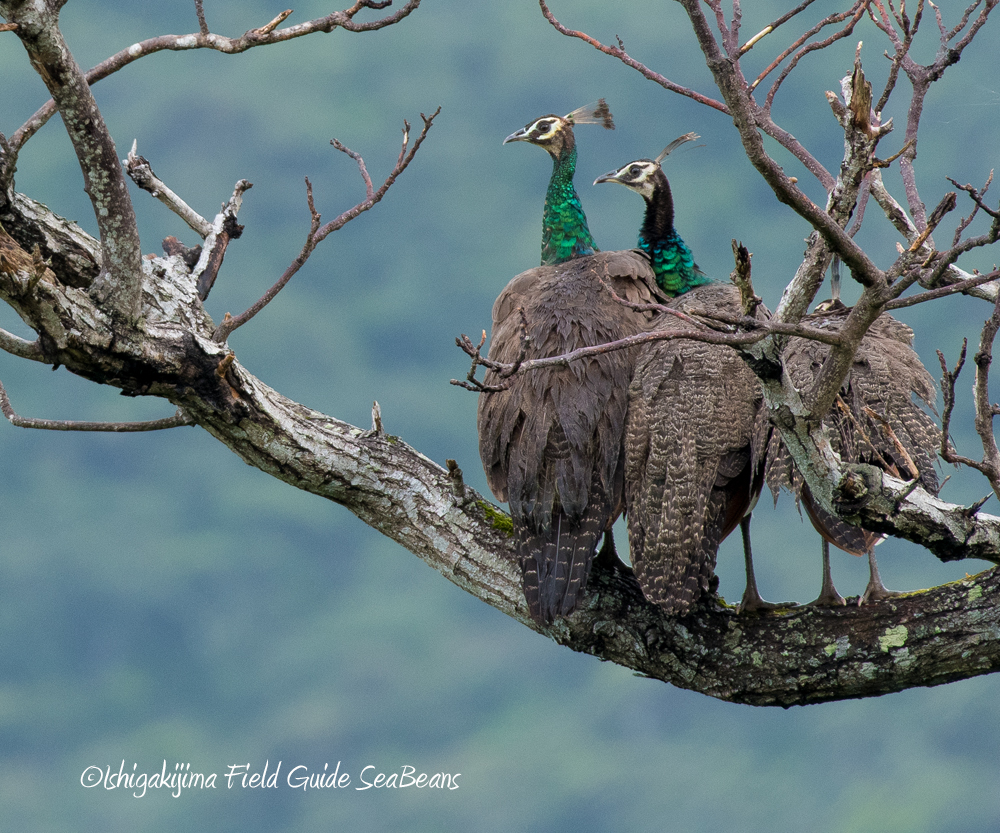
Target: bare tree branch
119, 286
318, 233
199, 8
177, 420
619, 53
141, 173
204, 39
767, 30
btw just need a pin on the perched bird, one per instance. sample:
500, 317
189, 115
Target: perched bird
875, 420
551, 440
696, 429
565, 234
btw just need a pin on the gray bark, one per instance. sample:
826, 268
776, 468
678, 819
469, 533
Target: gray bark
785, 658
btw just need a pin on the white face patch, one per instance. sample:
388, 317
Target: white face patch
544, 129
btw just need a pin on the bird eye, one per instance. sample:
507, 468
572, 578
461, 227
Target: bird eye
635, 170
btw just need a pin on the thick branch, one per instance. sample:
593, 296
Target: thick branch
799, 657
119, 286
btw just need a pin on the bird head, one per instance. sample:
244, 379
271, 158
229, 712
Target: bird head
644, 175
555, 133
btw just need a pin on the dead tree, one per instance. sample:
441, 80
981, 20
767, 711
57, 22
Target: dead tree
104, 312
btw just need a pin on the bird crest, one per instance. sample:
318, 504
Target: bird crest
638, 175
676, 143
550, 131
596, 113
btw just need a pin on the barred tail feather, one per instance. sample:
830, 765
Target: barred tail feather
555, 566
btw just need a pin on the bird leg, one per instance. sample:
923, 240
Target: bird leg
875, 590
752, 600
828, 595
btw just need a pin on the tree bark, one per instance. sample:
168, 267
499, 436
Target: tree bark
785, 658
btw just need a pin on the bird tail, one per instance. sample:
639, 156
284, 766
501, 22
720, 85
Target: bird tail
555, 563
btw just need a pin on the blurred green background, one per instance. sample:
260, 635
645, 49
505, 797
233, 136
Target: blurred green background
159, 600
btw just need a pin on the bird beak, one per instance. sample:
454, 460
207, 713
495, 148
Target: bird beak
517, 136
610, 176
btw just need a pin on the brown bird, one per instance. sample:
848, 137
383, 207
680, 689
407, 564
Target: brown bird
552, 442
886, 376
696, 430
694, 464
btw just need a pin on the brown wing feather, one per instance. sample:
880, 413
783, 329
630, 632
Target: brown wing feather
551, 444
886, 376
694, 442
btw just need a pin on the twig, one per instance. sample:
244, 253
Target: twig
948, 379
977, 196
945, 268
204, 39
984, 410
943, 292
318, 233
177, 420
200, 11
772, 26
754, 332
141, 173
267, 28
967, 221
620, 53
855, 13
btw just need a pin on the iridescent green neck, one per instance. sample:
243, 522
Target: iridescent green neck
673, 263
564, 225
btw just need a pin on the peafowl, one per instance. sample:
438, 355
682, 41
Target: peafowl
883, 380
551, 442
565, 234
696, 429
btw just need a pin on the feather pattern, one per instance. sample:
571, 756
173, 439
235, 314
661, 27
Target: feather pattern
885, 377
693, 461
551, 444
696, 430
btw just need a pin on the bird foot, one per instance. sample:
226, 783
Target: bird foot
876, 592
753, 603
829, 597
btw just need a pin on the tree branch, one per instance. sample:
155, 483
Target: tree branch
620, 53
119, 285
204, 39
318, 233
177, 420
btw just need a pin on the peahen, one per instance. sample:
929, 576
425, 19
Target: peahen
696, 429
551, 441
884, 379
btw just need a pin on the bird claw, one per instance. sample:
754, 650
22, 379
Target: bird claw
876, 592
753, 603
828, 597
